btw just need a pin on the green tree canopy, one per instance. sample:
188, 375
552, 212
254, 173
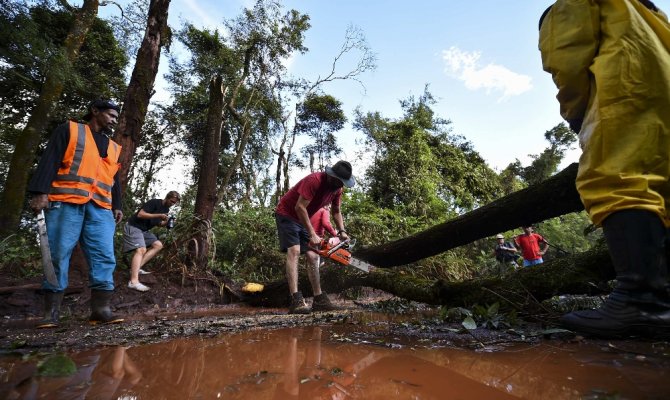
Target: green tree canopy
31, 42
320, 116
420, 166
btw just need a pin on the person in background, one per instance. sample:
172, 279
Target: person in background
505, 253
529, 243
77, 183
137, 235
321, 223
297, 235
610, 62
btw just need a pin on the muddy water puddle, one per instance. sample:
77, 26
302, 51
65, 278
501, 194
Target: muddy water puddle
344, 361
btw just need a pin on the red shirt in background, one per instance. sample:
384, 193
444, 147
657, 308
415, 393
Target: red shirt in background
315, 188
321, 222
530, 245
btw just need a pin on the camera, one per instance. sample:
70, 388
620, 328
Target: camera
170, 222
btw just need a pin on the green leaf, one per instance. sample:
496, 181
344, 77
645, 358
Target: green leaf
469, 323
56, 365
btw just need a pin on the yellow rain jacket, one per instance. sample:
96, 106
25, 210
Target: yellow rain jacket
610, 60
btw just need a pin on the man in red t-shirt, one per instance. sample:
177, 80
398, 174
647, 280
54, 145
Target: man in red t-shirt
529, 243
297, 235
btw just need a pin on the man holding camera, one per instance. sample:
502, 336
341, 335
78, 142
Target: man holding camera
137, 235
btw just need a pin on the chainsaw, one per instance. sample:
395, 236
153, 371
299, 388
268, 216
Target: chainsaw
341, 254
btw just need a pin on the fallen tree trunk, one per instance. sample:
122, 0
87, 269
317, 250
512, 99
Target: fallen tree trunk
552, 198
585, 273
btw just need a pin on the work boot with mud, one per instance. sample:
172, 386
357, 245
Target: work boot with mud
322, 303
298, 305
52, 302
640, 303
101, 313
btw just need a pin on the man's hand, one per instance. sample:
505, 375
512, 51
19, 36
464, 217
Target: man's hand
118, 216
315, 241
164, 217
342, 234
39, 202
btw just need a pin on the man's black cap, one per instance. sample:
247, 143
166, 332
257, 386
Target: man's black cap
100, 104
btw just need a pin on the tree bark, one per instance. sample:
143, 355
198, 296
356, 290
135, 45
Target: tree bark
554, 197
209, 165
13, 197
141, 87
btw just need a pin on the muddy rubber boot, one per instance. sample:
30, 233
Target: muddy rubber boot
101, 313
322, 303
52, 302
639, 304
298, 305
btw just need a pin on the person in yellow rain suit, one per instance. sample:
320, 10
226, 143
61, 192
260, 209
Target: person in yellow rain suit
610, 60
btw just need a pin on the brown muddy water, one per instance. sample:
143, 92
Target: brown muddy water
342, 361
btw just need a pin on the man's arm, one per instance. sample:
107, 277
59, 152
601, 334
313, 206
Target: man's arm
569, 40
545, 243
339, 222
301, 210
40, 182
146, 215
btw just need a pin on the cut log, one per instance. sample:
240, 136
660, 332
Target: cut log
552, 198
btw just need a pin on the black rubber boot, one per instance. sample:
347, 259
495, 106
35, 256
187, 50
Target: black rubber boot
298, 305
101, 313
52, 302
639, 304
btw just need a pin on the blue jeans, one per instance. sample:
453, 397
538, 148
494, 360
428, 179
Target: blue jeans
530, 263
91, 226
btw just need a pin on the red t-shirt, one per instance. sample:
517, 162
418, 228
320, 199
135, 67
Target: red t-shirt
321, 222
315, 188
530, 245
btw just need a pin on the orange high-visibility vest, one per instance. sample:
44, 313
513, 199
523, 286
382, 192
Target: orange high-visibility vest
83, 174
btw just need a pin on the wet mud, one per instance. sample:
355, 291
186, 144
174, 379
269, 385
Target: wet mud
354, 355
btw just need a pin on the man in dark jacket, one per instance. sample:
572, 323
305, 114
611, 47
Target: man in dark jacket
76, 182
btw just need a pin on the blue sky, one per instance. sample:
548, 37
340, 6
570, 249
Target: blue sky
479, 58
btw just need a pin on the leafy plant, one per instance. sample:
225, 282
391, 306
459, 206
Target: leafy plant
483, 316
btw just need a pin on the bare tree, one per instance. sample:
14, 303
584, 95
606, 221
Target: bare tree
354, 41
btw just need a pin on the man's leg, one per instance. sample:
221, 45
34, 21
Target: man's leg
293, 239
292, 257
97, 242
298, 305
321, 301
64, 222
313, 272
136, 263
639, 304
151, 253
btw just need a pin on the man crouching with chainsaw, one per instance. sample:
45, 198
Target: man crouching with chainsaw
76, 182
297, 235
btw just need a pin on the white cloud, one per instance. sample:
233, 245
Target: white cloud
465, 66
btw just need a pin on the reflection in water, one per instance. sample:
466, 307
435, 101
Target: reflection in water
326, 363
100, 375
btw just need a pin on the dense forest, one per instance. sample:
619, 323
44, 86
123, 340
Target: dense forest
247, 129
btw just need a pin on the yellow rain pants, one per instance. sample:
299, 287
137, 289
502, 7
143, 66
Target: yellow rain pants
610, 60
